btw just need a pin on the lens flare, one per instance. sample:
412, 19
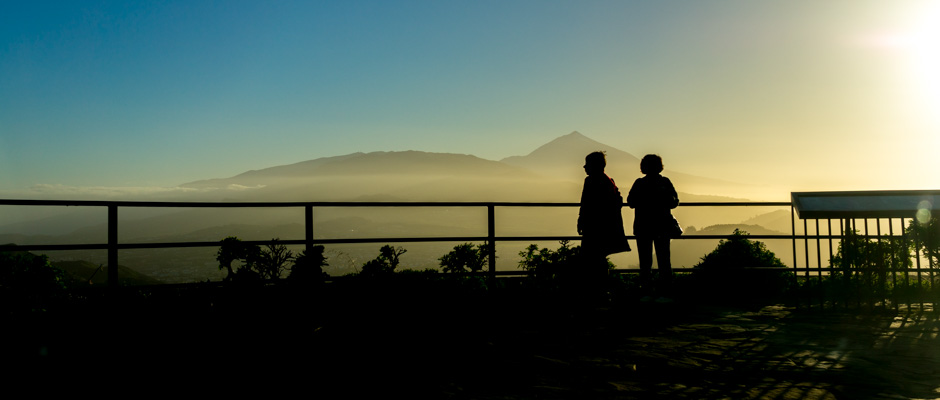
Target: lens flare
923, 211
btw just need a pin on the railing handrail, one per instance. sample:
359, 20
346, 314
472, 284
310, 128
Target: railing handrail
270, 204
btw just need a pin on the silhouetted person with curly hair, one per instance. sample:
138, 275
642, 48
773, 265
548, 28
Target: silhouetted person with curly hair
599, 221
653, 197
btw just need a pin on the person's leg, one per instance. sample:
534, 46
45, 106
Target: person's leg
644, 249
597, 284
663, 260
589, 278
663, 255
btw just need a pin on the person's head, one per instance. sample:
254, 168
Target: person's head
651, 164
595, 163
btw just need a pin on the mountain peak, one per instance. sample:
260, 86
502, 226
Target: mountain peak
564, 156
573, 146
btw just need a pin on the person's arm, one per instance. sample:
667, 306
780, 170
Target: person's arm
633, 196
582, 211
674, 196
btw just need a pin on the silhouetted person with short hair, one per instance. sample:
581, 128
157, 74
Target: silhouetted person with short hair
599, 221
653, 197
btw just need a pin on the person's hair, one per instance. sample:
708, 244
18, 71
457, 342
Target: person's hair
597, 157
651, 164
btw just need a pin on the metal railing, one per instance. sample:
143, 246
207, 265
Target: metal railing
113, 245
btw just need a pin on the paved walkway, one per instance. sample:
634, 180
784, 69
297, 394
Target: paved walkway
720, 353
676, 351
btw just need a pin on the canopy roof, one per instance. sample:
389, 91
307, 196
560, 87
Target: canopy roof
864, 204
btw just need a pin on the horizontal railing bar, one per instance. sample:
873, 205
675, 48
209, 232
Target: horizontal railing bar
126, 246
191, 204
292, 242
734, 204
32, 247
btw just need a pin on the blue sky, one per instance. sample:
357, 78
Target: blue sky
839, 94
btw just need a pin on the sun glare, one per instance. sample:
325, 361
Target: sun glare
922, 44
916, 43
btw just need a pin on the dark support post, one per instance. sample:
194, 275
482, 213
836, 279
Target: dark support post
308, 228
793, 232
491, 238
793, 241
112, 246
806, 248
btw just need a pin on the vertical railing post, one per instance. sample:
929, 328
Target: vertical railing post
491, 238
793, 233
112, 246
796, 277
308, 228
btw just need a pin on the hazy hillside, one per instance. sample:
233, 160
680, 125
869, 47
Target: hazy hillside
261, 177
84, 273
377, 166
780, 221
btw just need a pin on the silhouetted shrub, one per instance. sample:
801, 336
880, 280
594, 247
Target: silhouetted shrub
739, 251
28, 282
547, 264
384, 265
466, 257
728, 271
308, 267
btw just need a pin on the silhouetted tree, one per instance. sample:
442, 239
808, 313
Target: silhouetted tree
384, 264
926, 239
256, 263
872, 254
549, 264
273, 260
233, 249
466, 257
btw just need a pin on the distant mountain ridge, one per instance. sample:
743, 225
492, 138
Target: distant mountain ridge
552, 172
404, 163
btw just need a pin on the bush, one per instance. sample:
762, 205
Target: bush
28, 282
384, 265
724, 276
547, 264
737, 252
257, 264
308, 267
465, 257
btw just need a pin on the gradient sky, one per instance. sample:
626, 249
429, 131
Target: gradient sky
831, 95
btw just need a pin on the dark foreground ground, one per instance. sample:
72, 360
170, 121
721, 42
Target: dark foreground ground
426, 344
